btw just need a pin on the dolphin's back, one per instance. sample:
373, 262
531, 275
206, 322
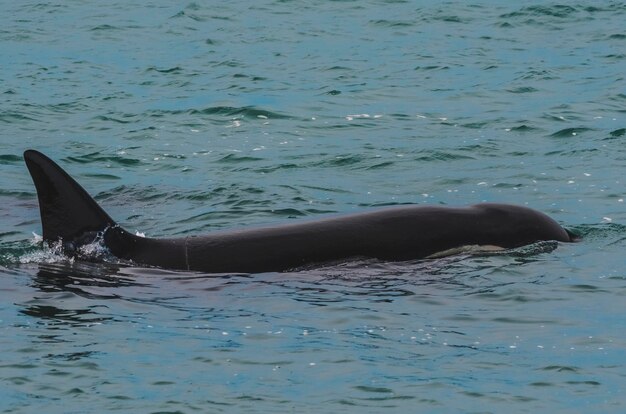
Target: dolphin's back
70, 215
393, 234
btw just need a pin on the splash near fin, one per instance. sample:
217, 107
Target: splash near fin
68, 212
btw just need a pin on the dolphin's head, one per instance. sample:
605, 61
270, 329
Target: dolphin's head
516, 226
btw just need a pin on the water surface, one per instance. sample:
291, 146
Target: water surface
182, 119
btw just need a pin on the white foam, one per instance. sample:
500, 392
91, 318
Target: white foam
52, 253
36, 239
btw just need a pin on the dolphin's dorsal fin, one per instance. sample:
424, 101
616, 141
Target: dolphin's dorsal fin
68, 212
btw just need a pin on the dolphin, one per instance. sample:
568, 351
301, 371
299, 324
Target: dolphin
69, 215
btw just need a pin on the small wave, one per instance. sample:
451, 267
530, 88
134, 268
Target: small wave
343, 160
475, 125
91, 280
233, 193
276, 167
232, 158
221, 112
347, 161
534, 74
431, 156
107, 118
557, 10
328, 189
618, 97
103, 176
432, 67
523, 128
97, 157
288, 212
569, 132
174, 69
103, 27
391, 23
15, 117
10, 159
380, 165
618, 133
245, 111
522, 89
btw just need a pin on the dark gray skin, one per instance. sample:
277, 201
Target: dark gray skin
69, 214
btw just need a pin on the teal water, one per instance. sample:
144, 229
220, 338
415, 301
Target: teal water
185, 119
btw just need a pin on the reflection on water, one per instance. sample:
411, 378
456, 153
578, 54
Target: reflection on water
336, 282
362, 333
79, 278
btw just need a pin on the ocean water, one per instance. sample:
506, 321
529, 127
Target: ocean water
192, 117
